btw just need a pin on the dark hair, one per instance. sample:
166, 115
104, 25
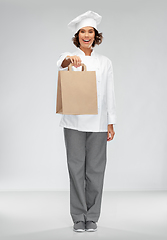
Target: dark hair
98, 38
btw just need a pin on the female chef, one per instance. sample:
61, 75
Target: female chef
86, 136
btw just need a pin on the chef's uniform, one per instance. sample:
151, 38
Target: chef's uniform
86, 135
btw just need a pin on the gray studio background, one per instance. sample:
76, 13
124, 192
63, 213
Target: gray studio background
33, 35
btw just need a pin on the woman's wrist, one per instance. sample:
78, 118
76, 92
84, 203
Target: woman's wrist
66, 62
68, 58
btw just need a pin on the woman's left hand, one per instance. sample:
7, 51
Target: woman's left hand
111, 132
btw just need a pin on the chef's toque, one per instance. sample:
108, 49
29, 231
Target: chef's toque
88, 18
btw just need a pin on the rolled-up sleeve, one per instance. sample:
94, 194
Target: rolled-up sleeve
111, 103
61, 58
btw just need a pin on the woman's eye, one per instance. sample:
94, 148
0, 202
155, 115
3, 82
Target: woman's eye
82, 31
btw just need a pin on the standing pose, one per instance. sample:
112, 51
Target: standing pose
86, 136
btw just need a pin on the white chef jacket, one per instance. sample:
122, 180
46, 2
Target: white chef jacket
105, 94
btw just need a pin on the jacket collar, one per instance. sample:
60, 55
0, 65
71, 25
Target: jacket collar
82, 53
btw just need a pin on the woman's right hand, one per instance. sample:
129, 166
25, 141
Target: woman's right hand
76, 60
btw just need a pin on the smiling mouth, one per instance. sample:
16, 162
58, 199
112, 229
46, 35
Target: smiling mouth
86, 41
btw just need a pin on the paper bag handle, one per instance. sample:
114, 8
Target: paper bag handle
82, 64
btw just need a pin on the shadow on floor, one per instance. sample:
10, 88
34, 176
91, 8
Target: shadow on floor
102, 233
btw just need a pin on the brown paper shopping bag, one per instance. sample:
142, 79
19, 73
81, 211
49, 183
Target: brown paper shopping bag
77, 92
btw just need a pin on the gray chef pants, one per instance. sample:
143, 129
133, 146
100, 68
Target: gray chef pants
86, 160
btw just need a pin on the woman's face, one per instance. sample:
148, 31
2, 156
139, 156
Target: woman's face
86, 37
